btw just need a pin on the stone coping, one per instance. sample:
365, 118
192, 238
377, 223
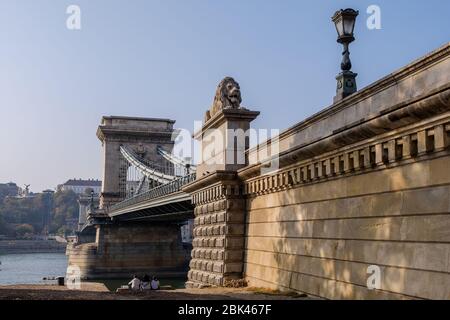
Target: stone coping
102, 131
227, 114
143, 119
432, 103
210, 179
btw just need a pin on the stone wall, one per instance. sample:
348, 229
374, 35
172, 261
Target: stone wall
364, 182
121, 250
218, 245
316, 228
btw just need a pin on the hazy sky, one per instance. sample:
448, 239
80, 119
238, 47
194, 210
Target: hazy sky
165, 58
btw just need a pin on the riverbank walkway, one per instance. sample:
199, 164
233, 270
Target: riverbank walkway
98, 291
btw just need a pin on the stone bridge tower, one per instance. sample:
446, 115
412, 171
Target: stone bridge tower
217, 193
142, 135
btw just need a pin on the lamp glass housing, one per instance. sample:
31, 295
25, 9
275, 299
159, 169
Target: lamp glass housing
339, 27
344, 20
349, 25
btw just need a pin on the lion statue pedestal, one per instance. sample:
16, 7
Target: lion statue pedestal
224, 135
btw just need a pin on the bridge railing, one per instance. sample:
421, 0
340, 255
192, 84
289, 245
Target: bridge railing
157, 192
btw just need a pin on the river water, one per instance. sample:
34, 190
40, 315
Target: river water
31, 268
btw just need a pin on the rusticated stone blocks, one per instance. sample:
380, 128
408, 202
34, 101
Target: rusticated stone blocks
218, 245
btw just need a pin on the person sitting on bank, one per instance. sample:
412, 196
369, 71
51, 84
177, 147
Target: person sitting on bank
135, 284
155, 284
145, 284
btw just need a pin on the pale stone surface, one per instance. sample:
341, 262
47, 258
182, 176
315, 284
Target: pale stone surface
327, 237
219, 230
422, 256
224, 140
394, 279
418, 201
417, 175
424, 228
319, 236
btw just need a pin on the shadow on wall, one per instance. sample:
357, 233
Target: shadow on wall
321, 238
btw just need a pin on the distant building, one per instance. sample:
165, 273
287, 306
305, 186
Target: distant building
12, 190
9, 189
80, 186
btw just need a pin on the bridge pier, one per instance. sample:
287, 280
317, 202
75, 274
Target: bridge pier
218, 244
123, 249
219, 232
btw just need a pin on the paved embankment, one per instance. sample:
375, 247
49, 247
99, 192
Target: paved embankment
96, 291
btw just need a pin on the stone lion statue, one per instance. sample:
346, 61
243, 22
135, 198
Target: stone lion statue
228, 96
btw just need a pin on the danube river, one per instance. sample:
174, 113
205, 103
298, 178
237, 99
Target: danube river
31, 268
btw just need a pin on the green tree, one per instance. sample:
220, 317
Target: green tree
24, 211
54, 209
24, 229
65, 207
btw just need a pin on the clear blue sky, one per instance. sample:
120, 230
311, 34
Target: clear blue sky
164, 59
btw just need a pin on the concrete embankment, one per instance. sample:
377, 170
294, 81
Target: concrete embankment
31, 246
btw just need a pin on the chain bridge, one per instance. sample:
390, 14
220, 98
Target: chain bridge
151, 191
363, 183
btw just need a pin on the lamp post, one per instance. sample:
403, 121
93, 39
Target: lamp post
344, 20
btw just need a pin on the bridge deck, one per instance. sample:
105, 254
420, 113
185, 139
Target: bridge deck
175, 206
166, 202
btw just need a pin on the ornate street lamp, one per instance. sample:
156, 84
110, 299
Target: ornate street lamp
344, 21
